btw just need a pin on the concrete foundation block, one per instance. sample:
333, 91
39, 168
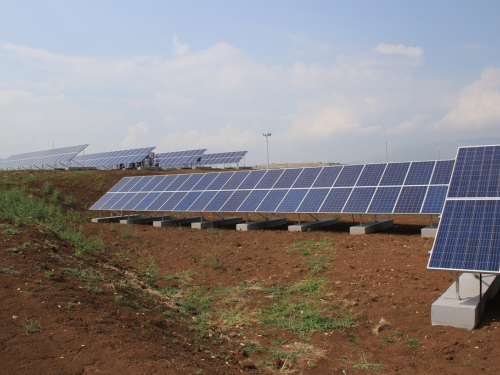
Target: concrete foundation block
254, 225
177, 222
144, 220
304, 227
465, 312
429, 231
113, 219
372, 227
216, 223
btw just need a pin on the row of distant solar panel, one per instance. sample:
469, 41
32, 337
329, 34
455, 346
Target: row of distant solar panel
54, 158
180, 159
468, 236
347, 189
222, 158
112, 159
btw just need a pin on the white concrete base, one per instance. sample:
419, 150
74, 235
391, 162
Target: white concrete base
271, 223
374, 226
177, 222
113, 219
429, 231
447, 310
216, 223
144, 220
304, 227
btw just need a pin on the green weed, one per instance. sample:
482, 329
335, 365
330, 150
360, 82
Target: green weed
31, 326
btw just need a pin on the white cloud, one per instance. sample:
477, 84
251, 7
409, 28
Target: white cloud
180, 49
477, 106
408, 125
400, 49
137, 136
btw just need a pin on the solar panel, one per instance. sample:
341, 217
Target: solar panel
349, 176
292, 200
271, 201
327, 177
288, 178
47, 159
253, 201
201, 202
313, 200
235, 200
420, 173
468, 236
384, 200
180, 159
442, 172
335, 200
222, 158
307, 177
434, 201
113, 159
269, 179
410, 200
371, 175
359, 200
395, 174
252, 179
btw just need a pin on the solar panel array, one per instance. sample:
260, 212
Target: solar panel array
47, 159
113, 159
180, 159
222, 158
468, 236
413, 187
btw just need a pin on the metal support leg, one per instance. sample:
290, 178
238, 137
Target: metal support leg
457, 285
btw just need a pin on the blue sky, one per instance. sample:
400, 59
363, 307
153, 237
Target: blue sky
331, 80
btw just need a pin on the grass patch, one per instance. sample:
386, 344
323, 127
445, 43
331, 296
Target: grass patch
10, 270
88, 274
31, 326
148, 270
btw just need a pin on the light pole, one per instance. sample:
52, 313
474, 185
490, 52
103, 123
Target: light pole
267, 135
386, 154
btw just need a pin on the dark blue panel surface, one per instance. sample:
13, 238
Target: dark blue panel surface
395, 174
202, 201
220, 181
235, 181
384, 200
119, 184
434, 201
327, 177
287, 179
153, 183
150, 197
252, 179
112, 201
253, 200
172, 201
136, 199
140, 184
410, 200
335, 200
307, 177
349, 176
271, 201
292, 200
129, 184
269, 179
218, 201
420, 173
359, 200
160, 201
442, 172
468, 238
177, 183
97, 205
235, 200
313, 200
187, 201
205, 181
191, 182
165, 183
371, 175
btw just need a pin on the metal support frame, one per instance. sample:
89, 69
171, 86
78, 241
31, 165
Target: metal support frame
457, 285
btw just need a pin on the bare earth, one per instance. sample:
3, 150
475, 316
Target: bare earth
218, 301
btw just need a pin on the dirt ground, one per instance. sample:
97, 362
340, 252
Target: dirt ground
219, 301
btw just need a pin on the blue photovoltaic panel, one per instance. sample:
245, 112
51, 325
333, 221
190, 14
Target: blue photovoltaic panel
252, 179
468, 238
119, 184
205, 181
191, 182
218, 201
136, 199
187, 201
129, 184
202, 201
122, 201
442, 172
160, 201
410, 200
172, 201
97, 205
140, 184
165, 183
476, 173
111, 202
434, 201
313, 200
219, 182
292, 200
359, 200
269, 179
271, 201
152, 183
287, 179
235, 200
395, 174
327, 177
146, 202
235, 181
177, 183
335, 200
307, 177
253, 200
349, 175
384, 200
371, 175
420, 173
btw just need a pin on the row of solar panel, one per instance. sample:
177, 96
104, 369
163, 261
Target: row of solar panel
223, 158
180, 159
47, 153
104, 156
381, 200
43, 159
468, 236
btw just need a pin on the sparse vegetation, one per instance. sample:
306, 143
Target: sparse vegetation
31, 326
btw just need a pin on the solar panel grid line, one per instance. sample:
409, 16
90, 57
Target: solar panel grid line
352, 190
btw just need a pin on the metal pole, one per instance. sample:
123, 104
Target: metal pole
267, 135
386, 154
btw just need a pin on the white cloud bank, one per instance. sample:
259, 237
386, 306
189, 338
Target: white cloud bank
400, 49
